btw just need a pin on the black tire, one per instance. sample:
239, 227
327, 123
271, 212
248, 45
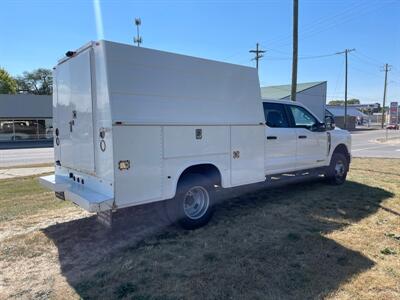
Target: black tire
197, 191
336, 173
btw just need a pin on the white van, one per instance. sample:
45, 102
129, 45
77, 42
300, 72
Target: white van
134, 125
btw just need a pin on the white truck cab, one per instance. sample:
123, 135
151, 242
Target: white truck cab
296, 139
135, 125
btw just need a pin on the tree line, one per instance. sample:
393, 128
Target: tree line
38, 82
341, 102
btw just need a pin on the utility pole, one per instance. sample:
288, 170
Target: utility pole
259, 54
345, 52
137, 39
386, 69
295, 48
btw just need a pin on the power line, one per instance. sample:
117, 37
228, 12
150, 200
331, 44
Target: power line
337, 81
318, 26
325, 23
374, 74
365, 61
396, 70
393, 82
364, 72
370, 58
302, 57
312, 25
349, 17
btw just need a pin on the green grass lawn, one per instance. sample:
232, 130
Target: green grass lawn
23, 197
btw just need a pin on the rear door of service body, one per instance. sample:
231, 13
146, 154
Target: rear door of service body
74, 112
280, 139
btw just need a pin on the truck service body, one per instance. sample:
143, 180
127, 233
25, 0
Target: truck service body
130, 124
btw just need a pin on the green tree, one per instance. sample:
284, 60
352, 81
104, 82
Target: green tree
341, 102
353, 101
38, 82
8, 85
336, 102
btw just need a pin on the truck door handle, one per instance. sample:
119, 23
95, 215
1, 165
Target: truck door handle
302, 136
270, 137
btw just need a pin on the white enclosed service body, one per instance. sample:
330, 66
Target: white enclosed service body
129, 121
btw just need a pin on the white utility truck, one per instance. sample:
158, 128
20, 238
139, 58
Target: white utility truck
134, 125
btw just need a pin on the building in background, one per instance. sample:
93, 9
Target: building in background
394, 117
26, 118
354, 116
311, 94
367, 108
376, 118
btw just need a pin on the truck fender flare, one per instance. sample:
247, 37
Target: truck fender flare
341, 148
185, 167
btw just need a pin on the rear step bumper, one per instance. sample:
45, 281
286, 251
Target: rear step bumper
80, 195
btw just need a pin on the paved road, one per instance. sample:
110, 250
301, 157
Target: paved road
364, 144
21, 172
19, 157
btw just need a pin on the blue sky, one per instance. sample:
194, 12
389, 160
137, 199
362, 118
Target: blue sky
36, 33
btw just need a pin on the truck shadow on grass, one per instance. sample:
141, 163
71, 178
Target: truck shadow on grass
261, 244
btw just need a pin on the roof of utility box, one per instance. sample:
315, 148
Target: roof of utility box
148, 86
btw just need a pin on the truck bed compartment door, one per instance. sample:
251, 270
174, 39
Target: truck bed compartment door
247, 154
139, 148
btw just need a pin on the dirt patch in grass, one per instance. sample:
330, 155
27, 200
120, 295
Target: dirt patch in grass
305, 240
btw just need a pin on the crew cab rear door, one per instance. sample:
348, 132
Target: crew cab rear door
280, 140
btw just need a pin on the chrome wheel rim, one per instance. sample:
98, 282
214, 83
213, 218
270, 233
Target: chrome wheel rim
196, 202
339, 169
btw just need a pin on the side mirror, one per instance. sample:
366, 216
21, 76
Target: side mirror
329, 122
319, 127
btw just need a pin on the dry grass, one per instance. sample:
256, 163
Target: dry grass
307, 240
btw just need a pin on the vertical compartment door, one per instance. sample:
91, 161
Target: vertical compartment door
75, 112
247, 154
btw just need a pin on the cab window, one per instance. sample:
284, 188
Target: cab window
275, 115
301, 117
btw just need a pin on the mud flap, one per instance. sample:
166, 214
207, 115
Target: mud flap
60, 195
105, 218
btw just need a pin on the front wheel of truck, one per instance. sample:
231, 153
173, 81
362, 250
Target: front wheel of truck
192, 206
336, 172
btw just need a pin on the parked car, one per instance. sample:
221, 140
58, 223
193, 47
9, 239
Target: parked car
393, 126
134, 125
